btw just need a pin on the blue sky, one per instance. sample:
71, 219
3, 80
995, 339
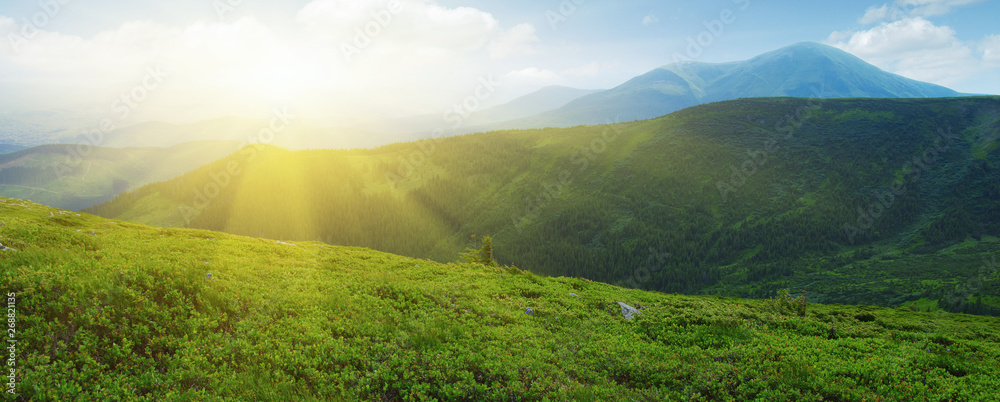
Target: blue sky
428, 54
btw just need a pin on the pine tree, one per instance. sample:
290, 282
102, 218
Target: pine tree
484, 255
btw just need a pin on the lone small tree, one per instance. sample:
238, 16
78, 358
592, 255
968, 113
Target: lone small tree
484, 255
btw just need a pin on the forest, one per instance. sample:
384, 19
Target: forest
862, 201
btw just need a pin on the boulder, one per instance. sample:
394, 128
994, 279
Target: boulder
628, 311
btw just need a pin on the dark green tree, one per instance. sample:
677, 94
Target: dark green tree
484, 255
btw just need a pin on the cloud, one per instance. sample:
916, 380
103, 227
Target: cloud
875, 14
896, 37
212, 51
519, 40
531, 73
915, 48
990, 47
417, 25
650, 19
930, 8
413, 59
905, 9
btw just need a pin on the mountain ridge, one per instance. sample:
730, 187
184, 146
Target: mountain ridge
805, 69
60, 176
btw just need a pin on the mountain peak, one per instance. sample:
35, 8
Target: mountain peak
803, 69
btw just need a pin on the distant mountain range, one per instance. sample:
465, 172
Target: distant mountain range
310, 135
807, 69
282, 131
8, 148
543, 100
57, 176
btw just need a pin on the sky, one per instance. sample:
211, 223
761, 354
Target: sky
351, 62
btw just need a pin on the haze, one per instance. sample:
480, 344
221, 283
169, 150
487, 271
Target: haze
412, 57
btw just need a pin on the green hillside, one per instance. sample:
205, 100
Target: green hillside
111, 310
862, 201
60, 176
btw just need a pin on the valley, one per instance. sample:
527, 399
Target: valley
77, 177
739, 198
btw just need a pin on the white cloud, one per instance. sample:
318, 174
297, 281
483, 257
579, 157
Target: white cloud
914, 48
894, 38
875, 14
990, 47
906, 9
417, 25
650, 19
930, 8
517, 41
211, 51
416, 59
532, 73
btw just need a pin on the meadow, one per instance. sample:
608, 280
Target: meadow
112, 310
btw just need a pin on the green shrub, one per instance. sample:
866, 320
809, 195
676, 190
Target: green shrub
484, 255
785, 303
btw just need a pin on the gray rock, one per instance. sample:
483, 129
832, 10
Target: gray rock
628, 311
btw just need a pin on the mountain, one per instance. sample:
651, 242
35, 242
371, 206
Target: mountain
805, 69
282, 129
286, 131
866, 201
59, 176
421, 127
112, 310
8, 148
545, 99
35, 127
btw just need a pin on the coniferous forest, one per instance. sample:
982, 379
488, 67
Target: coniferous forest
873, 201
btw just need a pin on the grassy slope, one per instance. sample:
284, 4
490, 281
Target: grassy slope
653, 185
110, 309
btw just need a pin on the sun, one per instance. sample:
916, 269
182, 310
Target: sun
288, 76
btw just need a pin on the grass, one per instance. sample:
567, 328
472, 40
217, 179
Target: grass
743, 206
111, 310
